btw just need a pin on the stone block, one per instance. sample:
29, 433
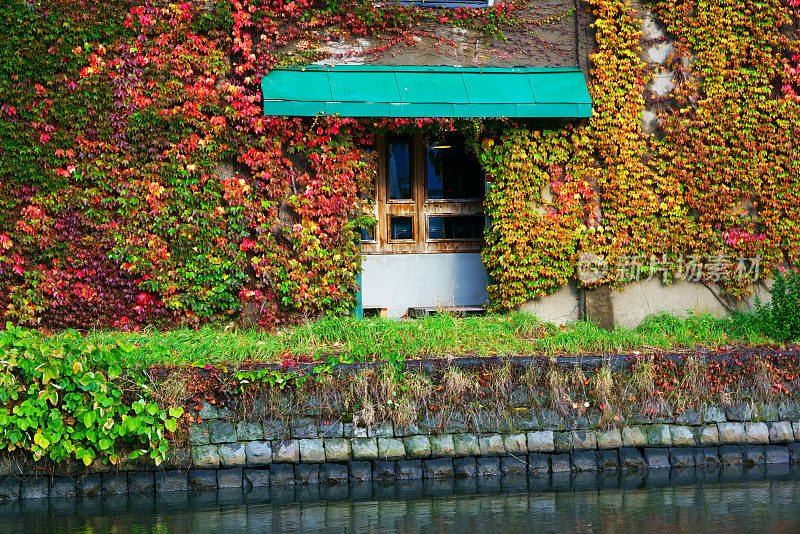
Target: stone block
337, 450
739, 412
385, 471
656, 458
794, 453
391, 449
258, 453
331, 429
256, 478
202, 479
541, 441
113, 484
752, 455
659, 435
583, 440
404, 431
286, 451
781, 432
512, 466
10, 488
538, 463
634, 436
143, 482
249, 430
526, 420
281, 475
360, 471
455, 424
708, 435
515, 444
355, 431
65, 488
731, 433
768, 412
789, 410
776, 454
757, 433
608, 439
713, 414
220, 431
304, 428
312, 450
383, 430
171, 481
560, 463
681, 457
730, 455
682, 436
364, 448
608, 459
334, 474
198, 434
438, 468
688, 417
562, 442
208, 411
230, 478
464, 467
796, 428
549, 420
205, 457
89, 486
179, 458
442, 446
584, 460
492, 445
232, 455
409, 470
706, 457
306, 474
466, 445
275, 429
487, 466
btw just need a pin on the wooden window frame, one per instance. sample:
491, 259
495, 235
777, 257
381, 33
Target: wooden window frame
419, 207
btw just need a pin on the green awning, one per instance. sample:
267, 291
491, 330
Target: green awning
381, 91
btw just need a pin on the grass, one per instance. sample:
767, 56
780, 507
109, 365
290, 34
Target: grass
437, 335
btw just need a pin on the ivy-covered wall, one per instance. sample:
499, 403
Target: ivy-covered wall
141, 184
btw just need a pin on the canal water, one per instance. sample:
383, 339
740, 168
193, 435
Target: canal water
765, 499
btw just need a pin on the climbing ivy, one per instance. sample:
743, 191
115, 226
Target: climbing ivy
719, 182
140, 182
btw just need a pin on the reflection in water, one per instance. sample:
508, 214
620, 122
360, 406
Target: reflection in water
733, 500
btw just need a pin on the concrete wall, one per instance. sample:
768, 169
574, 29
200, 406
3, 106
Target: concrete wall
400, 281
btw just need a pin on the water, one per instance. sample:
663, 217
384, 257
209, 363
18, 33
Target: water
760, 500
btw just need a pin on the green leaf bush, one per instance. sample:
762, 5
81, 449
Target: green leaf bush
780, 318
67, 398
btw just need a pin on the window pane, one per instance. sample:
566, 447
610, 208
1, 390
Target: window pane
398, 155
401, 228
368, 234
456, 227
453, 170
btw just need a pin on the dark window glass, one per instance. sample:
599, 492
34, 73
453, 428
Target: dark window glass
453, 170
401, 228
399, 161
456, 227
368, 234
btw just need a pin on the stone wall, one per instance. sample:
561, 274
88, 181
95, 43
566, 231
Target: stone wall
226, 453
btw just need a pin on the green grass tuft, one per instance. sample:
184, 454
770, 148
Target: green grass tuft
436, 335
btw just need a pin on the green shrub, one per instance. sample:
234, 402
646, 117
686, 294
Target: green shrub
62, 398
780, 318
